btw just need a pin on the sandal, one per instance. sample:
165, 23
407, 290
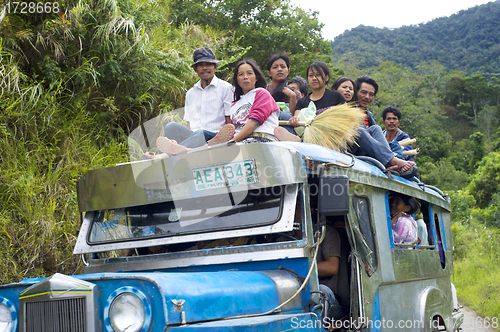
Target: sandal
410, 171
224, 135
166, 145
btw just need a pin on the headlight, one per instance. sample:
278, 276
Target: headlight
128, 310
8, 318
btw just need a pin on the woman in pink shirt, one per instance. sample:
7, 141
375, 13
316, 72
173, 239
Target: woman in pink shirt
404, 227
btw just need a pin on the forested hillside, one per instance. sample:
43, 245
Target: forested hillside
468, 41
75, 83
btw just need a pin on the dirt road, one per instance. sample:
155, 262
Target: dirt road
475, 323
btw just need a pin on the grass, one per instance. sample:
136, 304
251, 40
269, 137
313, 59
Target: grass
477, 268
42, 155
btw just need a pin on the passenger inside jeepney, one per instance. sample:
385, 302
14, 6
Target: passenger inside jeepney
404, 227
333, 264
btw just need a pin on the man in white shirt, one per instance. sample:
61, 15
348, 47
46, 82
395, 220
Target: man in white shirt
207, 106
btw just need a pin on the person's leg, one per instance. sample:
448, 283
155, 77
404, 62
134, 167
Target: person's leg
284, 135
195, 140
166, 145
186, 137
330, 298
374, 144
177, 132
285, 116
202, 137
209, 135
225, 134
372, 141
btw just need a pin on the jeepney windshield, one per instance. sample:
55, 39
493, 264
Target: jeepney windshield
233, 210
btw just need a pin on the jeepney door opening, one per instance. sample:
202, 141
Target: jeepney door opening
330, 204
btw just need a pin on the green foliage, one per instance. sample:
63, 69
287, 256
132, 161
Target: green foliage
490, 215
70, 91
477, 267
264, 26
45, 146
486, 180
442, 175
461, 204
465, 41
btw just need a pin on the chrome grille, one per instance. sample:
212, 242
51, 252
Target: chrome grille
56, 315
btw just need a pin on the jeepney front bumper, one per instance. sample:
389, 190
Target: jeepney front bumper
150, 301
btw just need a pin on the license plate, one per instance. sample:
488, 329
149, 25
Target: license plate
233, 174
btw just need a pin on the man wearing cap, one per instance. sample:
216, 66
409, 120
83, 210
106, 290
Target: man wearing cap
207, 106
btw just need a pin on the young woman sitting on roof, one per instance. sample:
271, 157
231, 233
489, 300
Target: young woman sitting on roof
318, 76
254, 113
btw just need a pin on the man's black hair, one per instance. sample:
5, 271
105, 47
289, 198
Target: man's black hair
390, 109
367, 80
302, 83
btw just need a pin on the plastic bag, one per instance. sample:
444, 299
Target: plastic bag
306, 114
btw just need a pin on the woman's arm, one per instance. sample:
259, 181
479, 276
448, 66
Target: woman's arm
292, 98
247, 129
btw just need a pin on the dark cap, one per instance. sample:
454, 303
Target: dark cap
203, 54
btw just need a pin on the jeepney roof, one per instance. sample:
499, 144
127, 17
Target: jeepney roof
151, 181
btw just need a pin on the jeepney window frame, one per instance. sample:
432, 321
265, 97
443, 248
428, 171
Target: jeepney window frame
438, 234
372, 232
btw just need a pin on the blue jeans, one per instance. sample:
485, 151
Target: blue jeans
285, 116
330, 297
372, 143
187, 137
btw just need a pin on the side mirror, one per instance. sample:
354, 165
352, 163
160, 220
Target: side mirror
333, 195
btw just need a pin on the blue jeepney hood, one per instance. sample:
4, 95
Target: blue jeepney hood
202, 296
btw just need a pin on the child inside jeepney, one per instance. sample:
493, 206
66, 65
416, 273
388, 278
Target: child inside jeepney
254, 113
404, 227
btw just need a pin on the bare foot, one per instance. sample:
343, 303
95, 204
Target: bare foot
171, 147
223, 136
284, 135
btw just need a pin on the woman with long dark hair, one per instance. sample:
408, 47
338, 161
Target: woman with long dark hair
254, 113
346, 87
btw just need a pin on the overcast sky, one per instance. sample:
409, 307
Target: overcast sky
339, 16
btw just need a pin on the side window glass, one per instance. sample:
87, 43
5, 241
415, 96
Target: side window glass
426, 212
439, 240
362, 209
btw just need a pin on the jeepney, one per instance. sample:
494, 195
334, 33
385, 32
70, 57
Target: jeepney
225, 238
